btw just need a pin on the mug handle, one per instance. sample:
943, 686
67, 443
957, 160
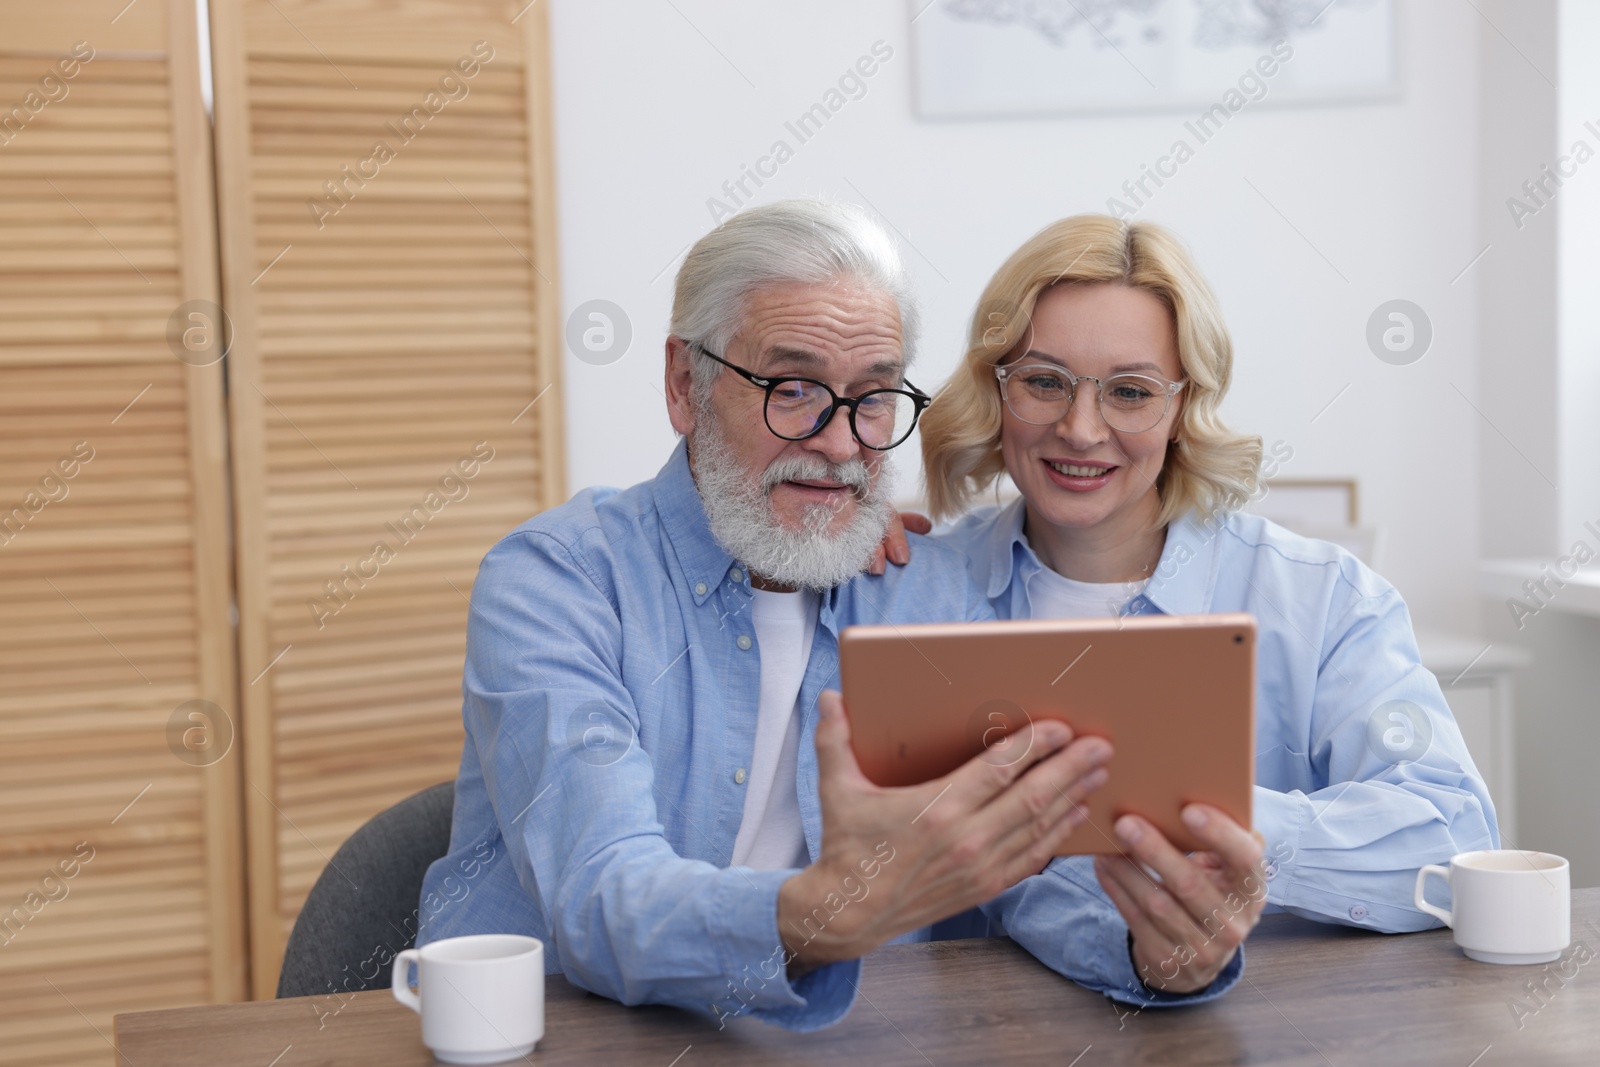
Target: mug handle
400, 980
1422, 876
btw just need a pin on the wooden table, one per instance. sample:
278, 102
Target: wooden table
1323, 996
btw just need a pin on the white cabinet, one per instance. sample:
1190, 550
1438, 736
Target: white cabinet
1476, 679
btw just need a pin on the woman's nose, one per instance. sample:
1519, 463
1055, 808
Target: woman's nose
1083, 421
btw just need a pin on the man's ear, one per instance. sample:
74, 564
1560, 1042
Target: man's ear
679, 387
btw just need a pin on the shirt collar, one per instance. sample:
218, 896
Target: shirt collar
1186, 577
701, 557
1005, 545
703, 560
1183, 583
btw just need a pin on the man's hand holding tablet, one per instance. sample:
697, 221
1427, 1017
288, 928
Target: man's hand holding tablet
896, 859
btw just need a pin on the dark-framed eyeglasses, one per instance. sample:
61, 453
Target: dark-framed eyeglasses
798, 408
1041, 395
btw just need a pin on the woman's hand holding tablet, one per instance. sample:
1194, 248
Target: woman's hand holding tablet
1186, 926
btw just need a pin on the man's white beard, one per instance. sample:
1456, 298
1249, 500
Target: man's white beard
739, 511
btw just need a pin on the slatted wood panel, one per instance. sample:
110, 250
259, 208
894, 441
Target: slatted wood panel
114, 580
380, 339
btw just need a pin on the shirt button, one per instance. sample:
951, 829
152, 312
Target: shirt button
1358, 912
738, 776
1271, 871
699, 588
744, 641
736, 574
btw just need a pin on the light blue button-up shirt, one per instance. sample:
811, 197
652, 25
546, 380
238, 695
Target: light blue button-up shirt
1361, 772
610, 693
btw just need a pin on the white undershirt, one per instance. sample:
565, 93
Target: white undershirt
1055, 596
770, 835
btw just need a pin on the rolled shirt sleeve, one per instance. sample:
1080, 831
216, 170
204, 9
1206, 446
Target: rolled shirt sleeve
1397, 786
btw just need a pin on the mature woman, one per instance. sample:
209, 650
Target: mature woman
1129, 504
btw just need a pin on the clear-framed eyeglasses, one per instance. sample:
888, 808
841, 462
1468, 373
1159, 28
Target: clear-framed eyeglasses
1042, 394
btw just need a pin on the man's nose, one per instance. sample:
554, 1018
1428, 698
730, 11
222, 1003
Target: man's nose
834, 442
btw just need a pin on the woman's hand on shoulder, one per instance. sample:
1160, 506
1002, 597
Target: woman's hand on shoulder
895, 547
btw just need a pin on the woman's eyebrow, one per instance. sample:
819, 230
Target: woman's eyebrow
1034, 353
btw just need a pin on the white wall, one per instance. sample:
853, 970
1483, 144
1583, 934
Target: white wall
1518, 456
652, 117
1541, 330
1578, 207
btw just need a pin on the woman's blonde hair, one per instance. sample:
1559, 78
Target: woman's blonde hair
1208, 468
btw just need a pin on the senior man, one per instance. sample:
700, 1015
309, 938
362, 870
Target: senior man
655, 781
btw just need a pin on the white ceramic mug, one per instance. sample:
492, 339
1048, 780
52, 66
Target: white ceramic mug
1506, 906
481, 997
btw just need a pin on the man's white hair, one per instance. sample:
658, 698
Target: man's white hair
805, 241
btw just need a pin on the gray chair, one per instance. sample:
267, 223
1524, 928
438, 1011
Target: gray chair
363, 909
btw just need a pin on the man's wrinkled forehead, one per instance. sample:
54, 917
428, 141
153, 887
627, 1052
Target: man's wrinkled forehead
809, 328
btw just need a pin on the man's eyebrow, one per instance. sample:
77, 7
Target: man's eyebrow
1120, 368
802, 358
806, 360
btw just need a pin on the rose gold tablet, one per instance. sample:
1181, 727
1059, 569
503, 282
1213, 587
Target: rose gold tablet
1175, 695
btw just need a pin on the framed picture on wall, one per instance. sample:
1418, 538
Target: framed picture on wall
1324, 508
1212, 57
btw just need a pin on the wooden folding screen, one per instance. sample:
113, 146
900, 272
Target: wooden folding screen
121, 883
389, 265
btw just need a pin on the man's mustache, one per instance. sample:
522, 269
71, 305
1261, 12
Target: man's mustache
855, 474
